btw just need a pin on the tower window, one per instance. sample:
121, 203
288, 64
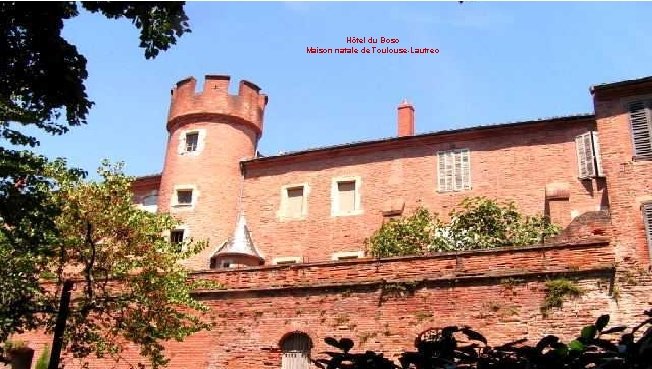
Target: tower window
192, 141
184, 197
176, 238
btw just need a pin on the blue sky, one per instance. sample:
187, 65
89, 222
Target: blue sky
498, 62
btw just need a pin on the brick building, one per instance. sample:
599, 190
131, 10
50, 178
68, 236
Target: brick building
286, 231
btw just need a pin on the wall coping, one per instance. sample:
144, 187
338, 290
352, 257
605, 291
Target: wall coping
585, 243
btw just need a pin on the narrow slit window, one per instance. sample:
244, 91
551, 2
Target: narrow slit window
647, 220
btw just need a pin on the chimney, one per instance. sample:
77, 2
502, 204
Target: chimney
405, 119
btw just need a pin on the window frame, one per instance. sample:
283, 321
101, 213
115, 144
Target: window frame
186, 235
174, 203
192, 146
335, 196
182, 147
454, 188
283, 213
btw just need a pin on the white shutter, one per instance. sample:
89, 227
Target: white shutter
641, 123
466, 169
647, 219
596, 155
454, 170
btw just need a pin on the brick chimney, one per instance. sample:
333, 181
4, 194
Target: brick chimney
405, 119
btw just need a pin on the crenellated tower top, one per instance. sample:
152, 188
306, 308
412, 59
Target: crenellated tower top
214, 102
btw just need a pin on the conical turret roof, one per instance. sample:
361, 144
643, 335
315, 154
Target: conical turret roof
240, 243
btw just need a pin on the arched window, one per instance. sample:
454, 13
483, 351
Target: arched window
296, 351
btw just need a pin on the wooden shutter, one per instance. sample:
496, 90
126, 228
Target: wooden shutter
296, 352
454, 170
641, 123
647, 219
466, 169
585, 161
596, 154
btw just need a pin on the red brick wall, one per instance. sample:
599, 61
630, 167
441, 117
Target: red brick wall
232, 127
509, 164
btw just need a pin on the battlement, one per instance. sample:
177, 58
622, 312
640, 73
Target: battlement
215, 102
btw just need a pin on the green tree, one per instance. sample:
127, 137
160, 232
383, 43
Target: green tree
131, 285
42, 86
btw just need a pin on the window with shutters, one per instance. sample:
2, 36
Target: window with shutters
454, 170
296, 351
588, 155
647, 219
294, 202
346, 196
640, 119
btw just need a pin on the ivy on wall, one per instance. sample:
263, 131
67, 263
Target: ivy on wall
476, 223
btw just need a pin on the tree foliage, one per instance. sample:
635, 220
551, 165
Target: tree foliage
477, 223
42, 87
461, 347
131, 285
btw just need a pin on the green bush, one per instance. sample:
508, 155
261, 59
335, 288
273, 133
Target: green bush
477, 223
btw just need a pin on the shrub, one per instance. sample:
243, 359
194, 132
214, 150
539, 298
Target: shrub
477, 223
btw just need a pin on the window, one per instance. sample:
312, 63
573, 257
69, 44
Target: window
348, 255
454, 170
176, 238
192, 141
296, 351
640, 118
345, 196
588, 155
287, 260
293, 201
647, 219
184, 197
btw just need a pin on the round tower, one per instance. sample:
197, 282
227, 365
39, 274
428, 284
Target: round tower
210, 132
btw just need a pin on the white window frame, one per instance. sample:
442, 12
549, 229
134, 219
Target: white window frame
335, 204
201, 138
589, 164
195, 196
283, 206
347, 255
454, 187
